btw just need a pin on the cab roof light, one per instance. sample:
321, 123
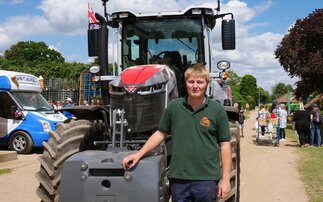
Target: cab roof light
113, 16
208, 12
196, 11
123, 15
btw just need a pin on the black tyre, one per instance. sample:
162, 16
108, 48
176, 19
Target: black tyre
235, 170
69, 138
21, 142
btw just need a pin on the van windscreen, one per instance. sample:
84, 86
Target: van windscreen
31, 101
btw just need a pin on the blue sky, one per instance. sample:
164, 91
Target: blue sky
62, 25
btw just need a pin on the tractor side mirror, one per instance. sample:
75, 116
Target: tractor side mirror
228, 34
93, 42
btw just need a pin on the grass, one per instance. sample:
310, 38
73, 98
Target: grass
310, 166
5, 171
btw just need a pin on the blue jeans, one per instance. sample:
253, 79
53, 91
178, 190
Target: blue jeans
194, 190
315, 129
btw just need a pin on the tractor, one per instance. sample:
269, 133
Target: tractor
82, 159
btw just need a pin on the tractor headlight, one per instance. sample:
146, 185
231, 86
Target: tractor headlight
223, 65
46, 125
116, 90
95, 69
153, 89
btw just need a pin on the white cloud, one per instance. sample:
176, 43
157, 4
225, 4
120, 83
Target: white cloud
69, 17
254, 54
53, 47
264, 6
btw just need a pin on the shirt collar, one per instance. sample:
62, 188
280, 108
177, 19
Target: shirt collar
185, 102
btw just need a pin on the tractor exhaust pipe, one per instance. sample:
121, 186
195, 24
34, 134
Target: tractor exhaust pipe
103, 57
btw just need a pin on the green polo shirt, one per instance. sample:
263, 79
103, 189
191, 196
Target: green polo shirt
195, 138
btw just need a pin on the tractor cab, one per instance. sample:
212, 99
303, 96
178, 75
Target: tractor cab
177, 39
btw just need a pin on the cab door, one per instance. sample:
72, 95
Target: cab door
7, 121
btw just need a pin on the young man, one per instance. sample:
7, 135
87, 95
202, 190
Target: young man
200, 135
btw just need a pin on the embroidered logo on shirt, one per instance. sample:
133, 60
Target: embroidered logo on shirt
205, 122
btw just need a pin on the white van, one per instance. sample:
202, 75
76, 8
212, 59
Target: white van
25, 116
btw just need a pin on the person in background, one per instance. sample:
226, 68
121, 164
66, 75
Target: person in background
316, 121
53, 104
59, 105
201, 150
69, 103
302, 122
256, 124
263, 115
283, 121
85, 102
241, 121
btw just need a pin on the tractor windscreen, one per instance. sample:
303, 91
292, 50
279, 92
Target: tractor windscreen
176, 42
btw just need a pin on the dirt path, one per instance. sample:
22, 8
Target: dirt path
20, 184
268, 173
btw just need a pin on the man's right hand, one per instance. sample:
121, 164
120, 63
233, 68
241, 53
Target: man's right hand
130, 161
155, 139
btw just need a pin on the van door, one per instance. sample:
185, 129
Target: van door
7, 123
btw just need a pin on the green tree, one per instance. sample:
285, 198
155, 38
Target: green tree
38, 59
29, 52
264, 95
249, 90
235, 86
300, 53
281, 89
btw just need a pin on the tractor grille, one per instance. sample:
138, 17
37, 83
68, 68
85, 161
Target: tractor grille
141, 111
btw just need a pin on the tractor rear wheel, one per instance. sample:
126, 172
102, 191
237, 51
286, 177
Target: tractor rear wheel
69, 138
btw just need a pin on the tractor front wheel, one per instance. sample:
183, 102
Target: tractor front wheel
69, 138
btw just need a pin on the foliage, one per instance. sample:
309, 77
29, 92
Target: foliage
281, 89
38, 59
234, 78
235, 86
110, 67
264, 95
30, 52
247, 96
300, 53
249, 90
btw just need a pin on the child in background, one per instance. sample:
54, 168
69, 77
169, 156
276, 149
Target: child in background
256, 126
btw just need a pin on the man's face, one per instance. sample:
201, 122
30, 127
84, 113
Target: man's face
196, 86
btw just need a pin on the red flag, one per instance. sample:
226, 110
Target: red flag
91, 16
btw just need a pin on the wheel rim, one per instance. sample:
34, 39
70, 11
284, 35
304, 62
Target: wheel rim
19, 143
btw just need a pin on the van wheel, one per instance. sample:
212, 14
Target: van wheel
21, 142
